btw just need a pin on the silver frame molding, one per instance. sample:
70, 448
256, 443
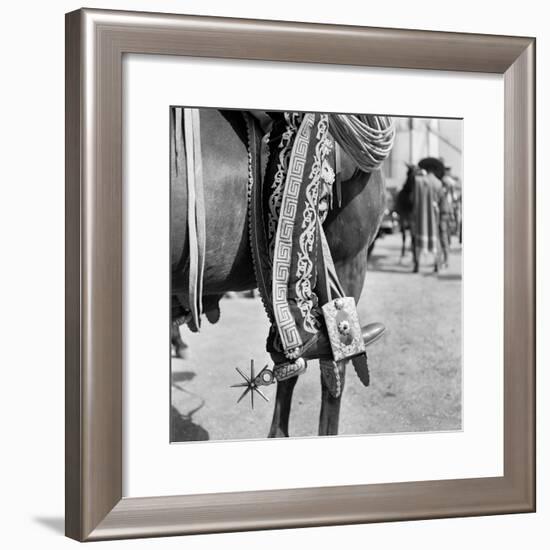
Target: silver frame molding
95, 43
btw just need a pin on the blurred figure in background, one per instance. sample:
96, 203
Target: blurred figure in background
425, 217
446, 215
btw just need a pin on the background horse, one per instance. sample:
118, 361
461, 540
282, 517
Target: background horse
404, 205
350, 227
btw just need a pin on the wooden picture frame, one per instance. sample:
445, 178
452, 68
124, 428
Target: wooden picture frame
95, 43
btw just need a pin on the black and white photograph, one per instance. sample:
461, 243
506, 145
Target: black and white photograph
316, 274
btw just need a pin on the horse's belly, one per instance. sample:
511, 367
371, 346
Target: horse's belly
228, 263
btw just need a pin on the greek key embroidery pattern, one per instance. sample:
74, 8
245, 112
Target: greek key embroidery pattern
288, 332
275, 198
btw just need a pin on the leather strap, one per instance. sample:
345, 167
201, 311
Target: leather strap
256, 222
200, 207
338, 173
334, 289
178, 193
195, 212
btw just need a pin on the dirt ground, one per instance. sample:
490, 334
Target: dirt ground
415, 368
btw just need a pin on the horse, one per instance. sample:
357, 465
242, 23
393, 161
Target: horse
350, 227
404, 205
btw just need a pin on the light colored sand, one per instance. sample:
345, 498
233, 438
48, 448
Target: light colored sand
415, 367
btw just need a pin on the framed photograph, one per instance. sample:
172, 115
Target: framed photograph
300, 274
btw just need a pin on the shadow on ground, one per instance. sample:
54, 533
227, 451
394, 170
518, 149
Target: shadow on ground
182, 426
182, 376
381, 263
449, 277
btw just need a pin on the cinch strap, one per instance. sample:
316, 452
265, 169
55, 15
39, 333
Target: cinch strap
195, 212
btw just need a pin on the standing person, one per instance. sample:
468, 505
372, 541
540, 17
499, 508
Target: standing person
445, 206
425, 217
456, 195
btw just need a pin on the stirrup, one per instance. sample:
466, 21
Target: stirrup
284, 371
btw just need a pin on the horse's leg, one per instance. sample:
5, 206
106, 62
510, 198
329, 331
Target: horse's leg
180, 347
352, 277
330, 406
416, 254
403, 240
281, 413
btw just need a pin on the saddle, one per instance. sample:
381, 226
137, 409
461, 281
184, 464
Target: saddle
292, 181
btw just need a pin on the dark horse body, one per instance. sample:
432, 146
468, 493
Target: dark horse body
404, 206
349, 228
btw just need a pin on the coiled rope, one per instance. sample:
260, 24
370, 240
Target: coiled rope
367, 139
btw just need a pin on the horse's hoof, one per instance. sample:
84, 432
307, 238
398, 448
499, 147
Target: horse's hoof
372, 332
277, 433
